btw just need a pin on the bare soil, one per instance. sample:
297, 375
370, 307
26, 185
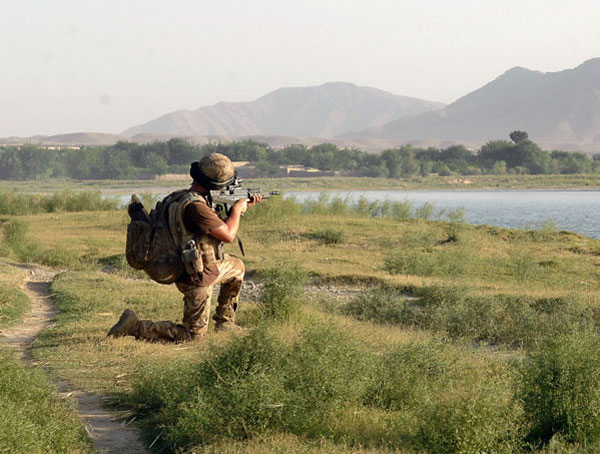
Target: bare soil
110, 431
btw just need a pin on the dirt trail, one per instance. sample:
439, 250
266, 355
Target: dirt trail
109, 431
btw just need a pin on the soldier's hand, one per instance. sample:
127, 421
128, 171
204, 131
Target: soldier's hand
242, 205
254, 199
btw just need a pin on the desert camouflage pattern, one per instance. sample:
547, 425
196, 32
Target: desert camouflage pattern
196, 309
217, 167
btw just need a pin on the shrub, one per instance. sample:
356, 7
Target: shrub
252, 385
456, 216
479, 418
401, 211
425, 211
363, 207
451, 262
339, 206
515, 320
459, 404
283, 287
326, 236
406, 374
15, 241
560, 389
379, 305
13, 203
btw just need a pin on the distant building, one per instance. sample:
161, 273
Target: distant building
246, 169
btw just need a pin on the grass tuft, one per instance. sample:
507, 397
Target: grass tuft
560, 388
280, 297
33, 419
326, 236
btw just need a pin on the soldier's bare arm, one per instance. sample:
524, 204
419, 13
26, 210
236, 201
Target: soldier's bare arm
228, 231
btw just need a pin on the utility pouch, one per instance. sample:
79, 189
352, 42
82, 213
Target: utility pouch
192, 259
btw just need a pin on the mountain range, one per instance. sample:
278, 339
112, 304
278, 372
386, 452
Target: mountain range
326, 111
559, 110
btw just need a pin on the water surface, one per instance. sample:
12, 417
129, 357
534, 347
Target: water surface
574, 210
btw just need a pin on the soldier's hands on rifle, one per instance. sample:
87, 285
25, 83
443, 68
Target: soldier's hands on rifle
244, 204
228, 232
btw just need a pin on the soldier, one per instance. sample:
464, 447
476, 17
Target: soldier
214, 171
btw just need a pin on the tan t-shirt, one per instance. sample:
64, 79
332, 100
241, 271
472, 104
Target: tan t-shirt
200, 219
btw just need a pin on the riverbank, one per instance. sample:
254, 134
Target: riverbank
458, 182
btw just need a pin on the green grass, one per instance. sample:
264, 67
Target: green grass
492, 319
426, 357
13, 302
33, 419
281, 295
560, 388
326, 236
15, 203
13, 305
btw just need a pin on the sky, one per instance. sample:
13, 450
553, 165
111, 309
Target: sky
104, 66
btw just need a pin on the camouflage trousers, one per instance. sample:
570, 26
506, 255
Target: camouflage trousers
196, 309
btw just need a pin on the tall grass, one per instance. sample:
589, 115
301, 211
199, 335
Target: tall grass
281, 295
506, 319
16, 243
253, 384
33, 420
13, 304
400, 211
560, 388
278, 207
13, 203
323, 384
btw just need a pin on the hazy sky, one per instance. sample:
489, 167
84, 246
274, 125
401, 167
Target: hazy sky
82, 65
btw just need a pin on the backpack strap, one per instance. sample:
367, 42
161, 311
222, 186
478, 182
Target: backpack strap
176, 210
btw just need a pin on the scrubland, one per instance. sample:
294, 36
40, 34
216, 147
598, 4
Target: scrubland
373, 327
491, 182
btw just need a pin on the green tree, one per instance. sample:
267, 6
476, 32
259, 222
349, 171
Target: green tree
499, 168
11, 167
410, 165
518, 136
393, 161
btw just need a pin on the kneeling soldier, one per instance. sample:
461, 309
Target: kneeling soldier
199, 219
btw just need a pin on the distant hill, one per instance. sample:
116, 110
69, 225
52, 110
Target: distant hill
75, 138
558, 110
101, 139
323, 111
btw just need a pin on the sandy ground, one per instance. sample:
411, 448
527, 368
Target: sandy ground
111, 432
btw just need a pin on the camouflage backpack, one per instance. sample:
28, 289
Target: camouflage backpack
158, 243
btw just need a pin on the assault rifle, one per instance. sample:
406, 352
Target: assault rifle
224, 199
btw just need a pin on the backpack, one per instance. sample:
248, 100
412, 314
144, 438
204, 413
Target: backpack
155, 241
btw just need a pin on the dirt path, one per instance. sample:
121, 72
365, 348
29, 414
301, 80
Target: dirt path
109, 431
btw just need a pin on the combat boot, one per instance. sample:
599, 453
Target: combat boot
225, 315
126, 326
227, 326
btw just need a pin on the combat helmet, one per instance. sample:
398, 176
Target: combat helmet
214, 171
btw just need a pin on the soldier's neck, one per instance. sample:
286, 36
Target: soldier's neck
197, 187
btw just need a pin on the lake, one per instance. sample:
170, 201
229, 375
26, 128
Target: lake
575, 210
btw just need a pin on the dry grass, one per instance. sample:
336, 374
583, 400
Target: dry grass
484, 261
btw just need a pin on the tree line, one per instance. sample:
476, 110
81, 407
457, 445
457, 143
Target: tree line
128, 160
